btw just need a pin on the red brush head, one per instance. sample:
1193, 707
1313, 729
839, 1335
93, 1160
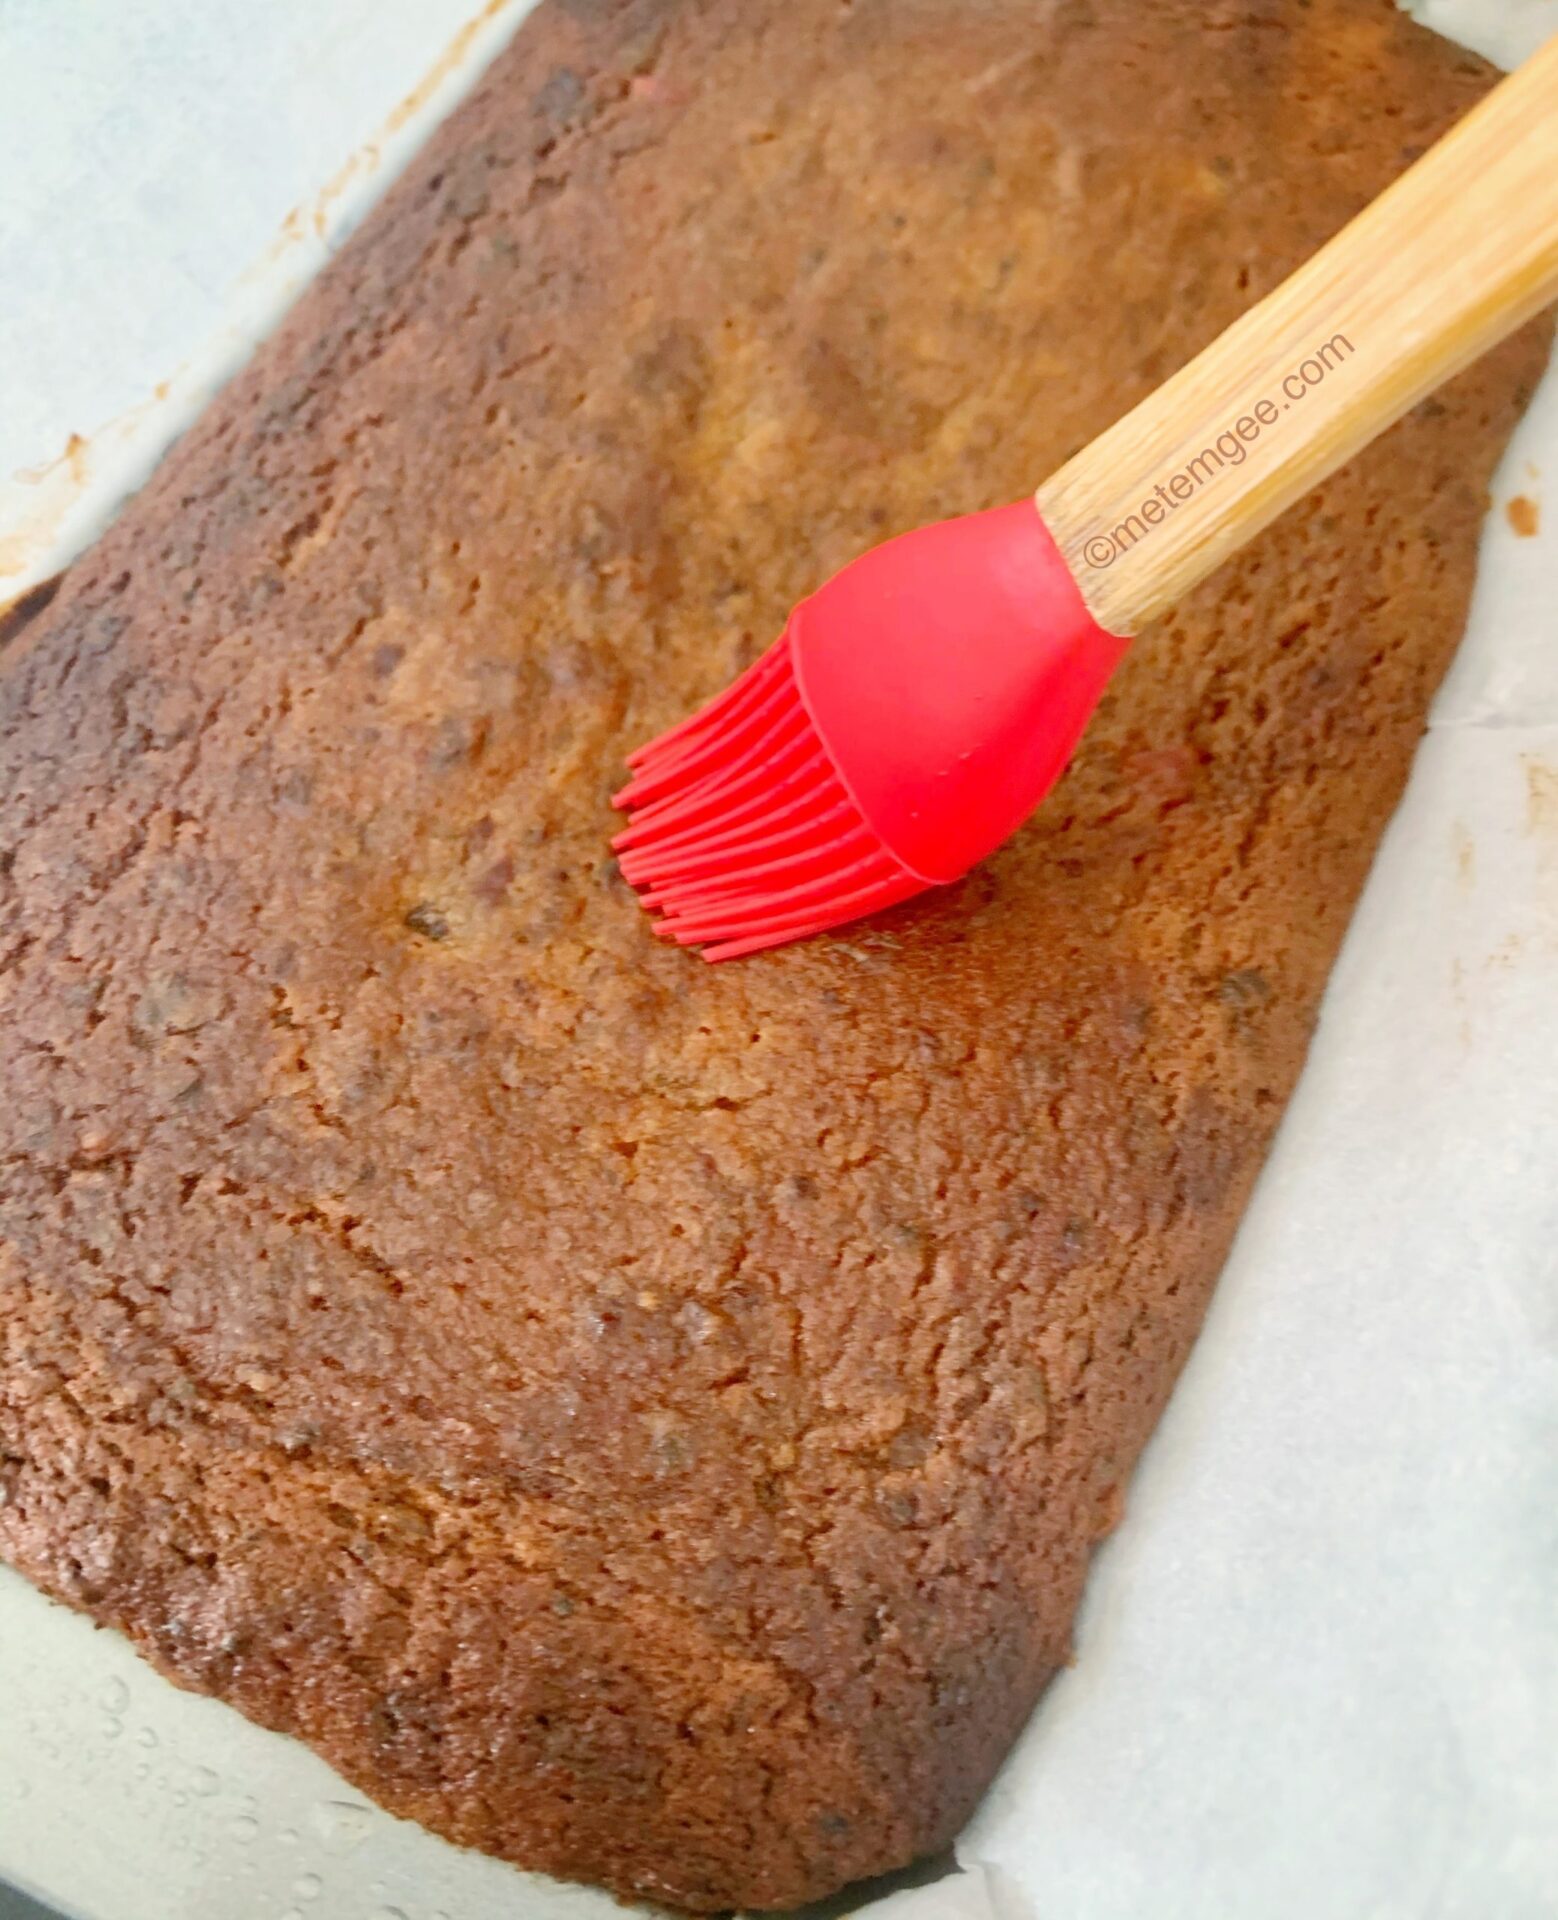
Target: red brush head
913, 713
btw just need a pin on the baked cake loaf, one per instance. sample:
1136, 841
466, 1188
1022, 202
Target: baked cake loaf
645, 1420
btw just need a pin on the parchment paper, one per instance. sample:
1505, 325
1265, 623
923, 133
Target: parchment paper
1318, 1665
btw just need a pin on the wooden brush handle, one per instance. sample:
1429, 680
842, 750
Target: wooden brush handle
1450, 258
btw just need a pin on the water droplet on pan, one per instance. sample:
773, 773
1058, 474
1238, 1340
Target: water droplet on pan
342, 1824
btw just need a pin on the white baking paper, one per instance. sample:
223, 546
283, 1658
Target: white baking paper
1317, 1671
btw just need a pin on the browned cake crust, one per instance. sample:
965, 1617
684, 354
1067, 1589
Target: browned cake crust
646, 1420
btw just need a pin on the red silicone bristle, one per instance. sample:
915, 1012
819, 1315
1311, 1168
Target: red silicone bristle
715, 714
741, 834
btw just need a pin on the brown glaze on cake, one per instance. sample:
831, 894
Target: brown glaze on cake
645, 1420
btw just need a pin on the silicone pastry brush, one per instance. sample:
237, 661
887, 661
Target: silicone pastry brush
920, 704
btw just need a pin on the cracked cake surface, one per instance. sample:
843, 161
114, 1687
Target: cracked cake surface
644, 1420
